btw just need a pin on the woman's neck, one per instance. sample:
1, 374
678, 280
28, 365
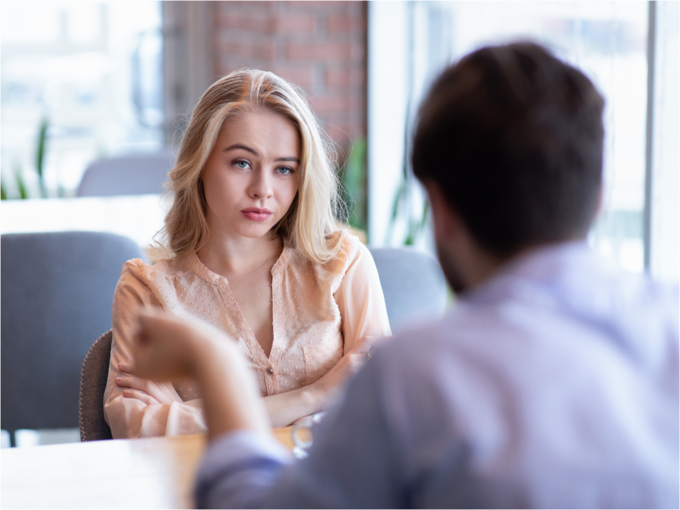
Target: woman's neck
240, 256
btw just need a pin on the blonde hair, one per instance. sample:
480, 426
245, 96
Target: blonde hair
310, 223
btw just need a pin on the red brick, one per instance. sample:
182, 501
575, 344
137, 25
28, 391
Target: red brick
352, 24
293, 23
345, 77
316, 5
317, 45
300, 76
342, 133
244, 21
231, 63
247, 6
337, 134
335, 103
250, 49
324, 50
356, 8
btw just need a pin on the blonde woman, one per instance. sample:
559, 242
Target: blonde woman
257, 254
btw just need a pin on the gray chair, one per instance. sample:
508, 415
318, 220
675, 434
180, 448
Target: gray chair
57, 290
413, 284
133, 174
93, 378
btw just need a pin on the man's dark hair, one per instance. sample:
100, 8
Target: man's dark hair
513, 138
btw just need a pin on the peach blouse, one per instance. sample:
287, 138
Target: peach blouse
320, 311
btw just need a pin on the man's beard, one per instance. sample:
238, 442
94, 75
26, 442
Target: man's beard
451, 271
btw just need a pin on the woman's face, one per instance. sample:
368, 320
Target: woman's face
252, 174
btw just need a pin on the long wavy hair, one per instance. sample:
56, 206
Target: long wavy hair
311, 223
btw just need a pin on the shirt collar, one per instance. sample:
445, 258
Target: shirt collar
559, 266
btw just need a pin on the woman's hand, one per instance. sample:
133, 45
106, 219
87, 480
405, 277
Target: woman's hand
143, 389
329, 385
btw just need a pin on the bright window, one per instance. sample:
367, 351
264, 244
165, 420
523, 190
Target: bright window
606, 39
93, 71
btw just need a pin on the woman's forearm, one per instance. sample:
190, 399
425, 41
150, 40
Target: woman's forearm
285, 408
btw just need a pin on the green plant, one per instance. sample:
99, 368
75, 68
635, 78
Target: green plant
41, 147
40, 155
403, 205
354, 184
21, 185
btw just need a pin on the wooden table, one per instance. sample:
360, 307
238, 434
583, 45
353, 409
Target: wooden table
122, 473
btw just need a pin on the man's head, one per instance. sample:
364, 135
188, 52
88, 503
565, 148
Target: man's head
511, 139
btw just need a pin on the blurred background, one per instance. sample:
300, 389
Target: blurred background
84, 82
95, 96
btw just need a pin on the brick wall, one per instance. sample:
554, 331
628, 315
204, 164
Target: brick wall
320, 46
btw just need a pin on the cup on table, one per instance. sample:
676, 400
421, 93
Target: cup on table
302, 434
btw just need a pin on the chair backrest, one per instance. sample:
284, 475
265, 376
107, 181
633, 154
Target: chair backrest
93, 378
413, 284
134, 174
57, 291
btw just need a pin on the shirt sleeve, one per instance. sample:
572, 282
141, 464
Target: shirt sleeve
361, 301
128, 417
238, 469
355, 461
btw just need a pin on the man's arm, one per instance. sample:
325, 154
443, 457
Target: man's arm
355, 462
165, 349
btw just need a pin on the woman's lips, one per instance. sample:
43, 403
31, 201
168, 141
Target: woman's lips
256, 214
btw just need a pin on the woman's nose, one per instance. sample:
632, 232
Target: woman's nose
261, 186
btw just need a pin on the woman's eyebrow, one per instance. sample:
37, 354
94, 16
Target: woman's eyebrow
290, 158
241, 146
253, 151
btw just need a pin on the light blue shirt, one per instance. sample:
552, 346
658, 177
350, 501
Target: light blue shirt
554, 384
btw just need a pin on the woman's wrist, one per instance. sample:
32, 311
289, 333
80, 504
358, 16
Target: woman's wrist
315, 396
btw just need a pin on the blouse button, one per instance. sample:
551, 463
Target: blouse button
270, 371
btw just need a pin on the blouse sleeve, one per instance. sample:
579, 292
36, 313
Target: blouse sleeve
128, 417
360, 299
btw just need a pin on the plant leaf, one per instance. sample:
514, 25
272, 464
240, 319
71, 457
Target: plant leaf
40, 154
354, 178
23, 190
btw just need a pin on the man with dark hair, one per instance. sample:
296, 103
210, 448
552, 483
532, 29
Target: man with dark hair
513, 139
552, 383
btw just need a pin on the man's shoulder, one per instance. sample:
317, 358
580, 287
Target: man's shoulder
620, 316
436, 337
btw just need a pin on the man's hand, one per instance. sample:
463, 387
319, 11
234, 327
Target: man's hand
144, 390
166, 348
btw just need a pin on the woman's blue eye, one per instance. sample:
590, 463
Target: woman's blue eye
241, 164
285, 170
